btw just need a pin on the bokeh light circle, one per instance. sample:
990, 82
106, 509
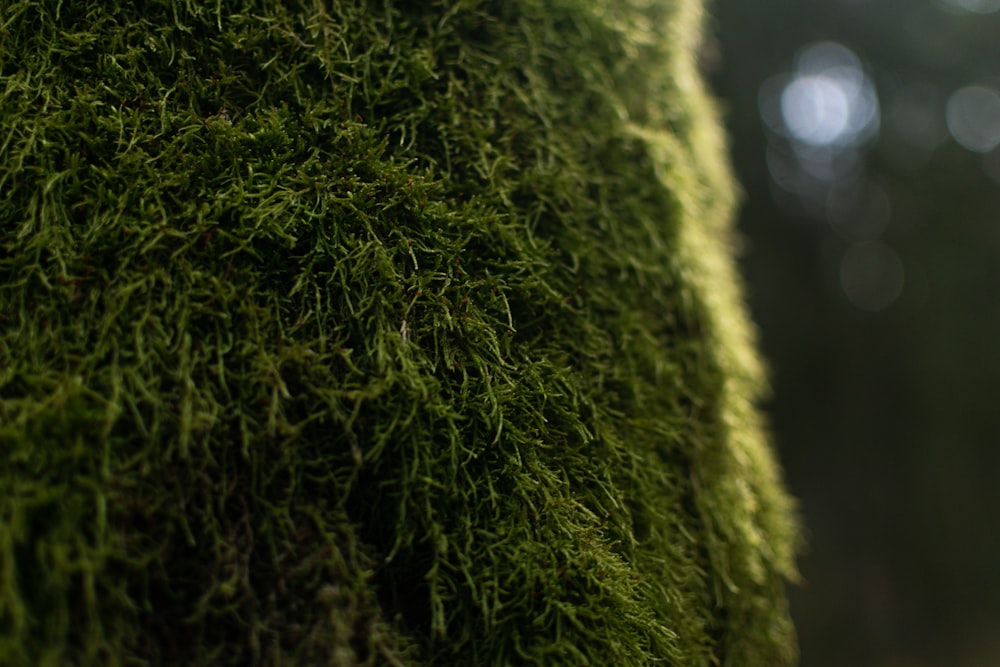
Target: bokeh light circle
973, 118
829, 100
859, 210
872, 275
816, 109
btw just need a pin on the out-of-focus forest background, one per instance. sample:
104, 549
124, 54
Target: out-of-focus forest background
865, 134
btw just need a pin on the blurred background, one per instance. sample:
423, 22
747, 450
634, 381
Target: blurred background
865, 134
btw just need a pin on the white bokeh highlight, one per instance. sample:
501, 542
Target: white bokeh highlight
827, 101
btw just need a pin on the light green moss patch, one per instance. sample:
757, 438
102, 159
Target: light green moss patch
372, 333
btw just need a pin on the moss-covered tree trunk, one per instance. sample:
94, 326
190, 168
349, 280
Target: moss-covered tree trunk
361, 332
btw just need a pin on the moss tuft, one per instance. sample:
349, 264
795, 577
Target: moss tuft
375, 333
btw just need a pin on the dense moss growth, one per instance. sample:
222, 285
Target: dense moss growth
375, 333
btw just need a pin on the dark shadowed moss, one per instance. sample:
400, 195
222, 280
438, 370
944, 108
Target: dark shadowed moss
375, 333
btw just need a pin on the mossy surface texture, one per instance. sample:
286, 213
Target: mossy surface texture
375, 333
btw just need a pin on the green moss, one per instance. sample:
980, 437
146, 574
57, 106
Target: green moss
373, 333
